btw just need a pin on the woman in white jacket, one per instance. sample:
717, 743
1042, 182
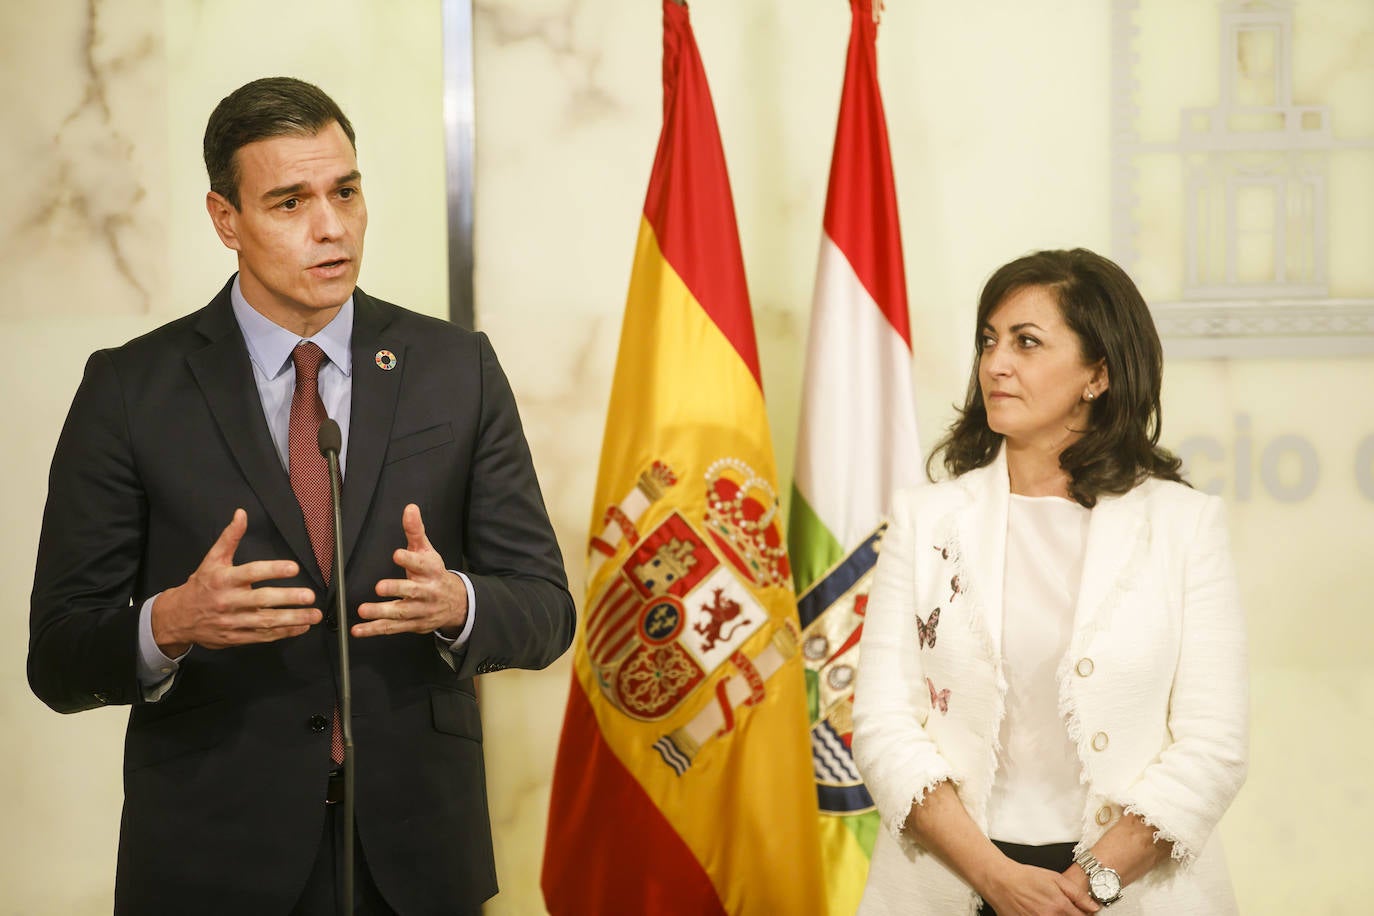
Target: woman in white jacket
1051, 710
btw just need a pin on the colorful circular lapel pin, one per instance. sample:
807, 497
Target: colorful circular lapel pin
385, 360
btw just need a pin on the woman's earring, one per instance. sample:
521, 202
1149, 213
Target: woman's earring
1089, 395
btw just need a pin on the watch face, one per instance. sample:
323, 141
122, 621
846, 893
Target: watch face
1106, 884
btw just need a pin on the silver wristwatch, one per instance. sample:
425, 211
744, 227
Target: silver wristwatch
1104, 884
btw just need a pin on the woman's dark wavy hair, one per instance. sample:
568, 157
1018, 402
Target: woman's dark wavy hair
1102, 306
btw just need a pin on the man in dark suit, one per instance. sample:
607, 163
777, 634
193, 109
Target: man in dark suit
215, 634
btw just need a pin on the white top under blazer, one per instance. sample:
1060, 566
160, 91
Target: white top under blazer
1152, 691
1036, 795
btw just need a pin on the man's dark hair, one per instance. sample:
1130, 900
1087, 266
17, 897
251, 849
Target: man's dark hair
1104, 309
275, 106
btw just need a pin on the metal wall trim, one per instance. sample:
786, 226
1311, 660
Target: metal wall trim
459, 150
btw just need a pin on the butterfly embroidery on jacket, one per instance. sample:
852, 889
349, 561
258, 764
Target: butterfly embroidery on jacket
938, 700
925, 631
955, 587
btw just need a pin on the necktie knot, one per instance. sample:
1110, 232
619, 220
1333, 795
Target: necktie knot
307, 358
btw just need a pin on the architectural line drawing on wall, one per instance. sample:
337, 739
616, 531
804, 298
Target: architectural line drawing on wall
1257, 192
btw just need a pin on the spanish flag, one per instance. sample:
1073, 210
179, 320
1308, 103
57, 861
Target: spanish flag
857, 445
684, 781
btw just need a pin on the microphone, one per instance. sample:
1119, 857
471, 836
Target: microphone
330, 438
331, 442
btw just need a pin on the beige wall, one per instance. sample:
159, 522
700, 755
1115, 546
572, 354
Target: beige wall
999, 114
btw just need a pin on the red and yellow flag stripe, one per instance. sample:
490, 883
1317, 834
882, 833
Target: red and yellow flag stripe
684, 781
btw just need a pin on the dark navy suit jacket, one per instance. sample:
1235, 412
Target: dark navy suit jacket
225, 776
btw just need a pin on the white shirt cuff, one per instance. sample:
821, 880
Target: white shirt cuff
155, 670
448, 646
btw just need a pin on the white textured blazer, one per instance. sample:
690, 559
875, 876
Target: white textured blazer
1153, 689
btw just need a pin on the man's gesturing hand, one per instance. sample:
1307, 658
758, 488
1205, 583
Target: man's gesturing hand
429, 598
218, 606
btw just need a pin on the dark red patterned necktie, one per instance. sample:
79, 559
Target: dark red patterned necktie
310, 476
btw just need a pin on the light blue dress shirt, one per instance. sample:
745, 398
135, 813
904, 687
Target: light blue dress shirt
269, 348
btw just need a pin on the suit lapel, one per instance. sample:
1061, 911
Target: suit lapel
1114, 533
983, 540
225, 375
375, 393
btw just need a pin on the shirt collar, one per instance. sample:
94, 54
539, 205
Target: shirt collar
270, 344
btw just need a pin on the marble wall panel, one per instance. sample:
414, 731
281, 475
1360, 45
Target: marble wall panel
82, 156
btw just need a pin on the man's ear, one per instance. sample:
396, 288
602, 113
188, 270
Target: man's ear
224, 217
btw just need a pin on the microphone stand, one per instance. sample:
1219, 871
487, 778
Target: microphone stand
330, 442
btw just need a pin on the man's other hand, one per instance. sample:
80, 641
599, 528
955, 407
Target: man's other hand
429, 598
